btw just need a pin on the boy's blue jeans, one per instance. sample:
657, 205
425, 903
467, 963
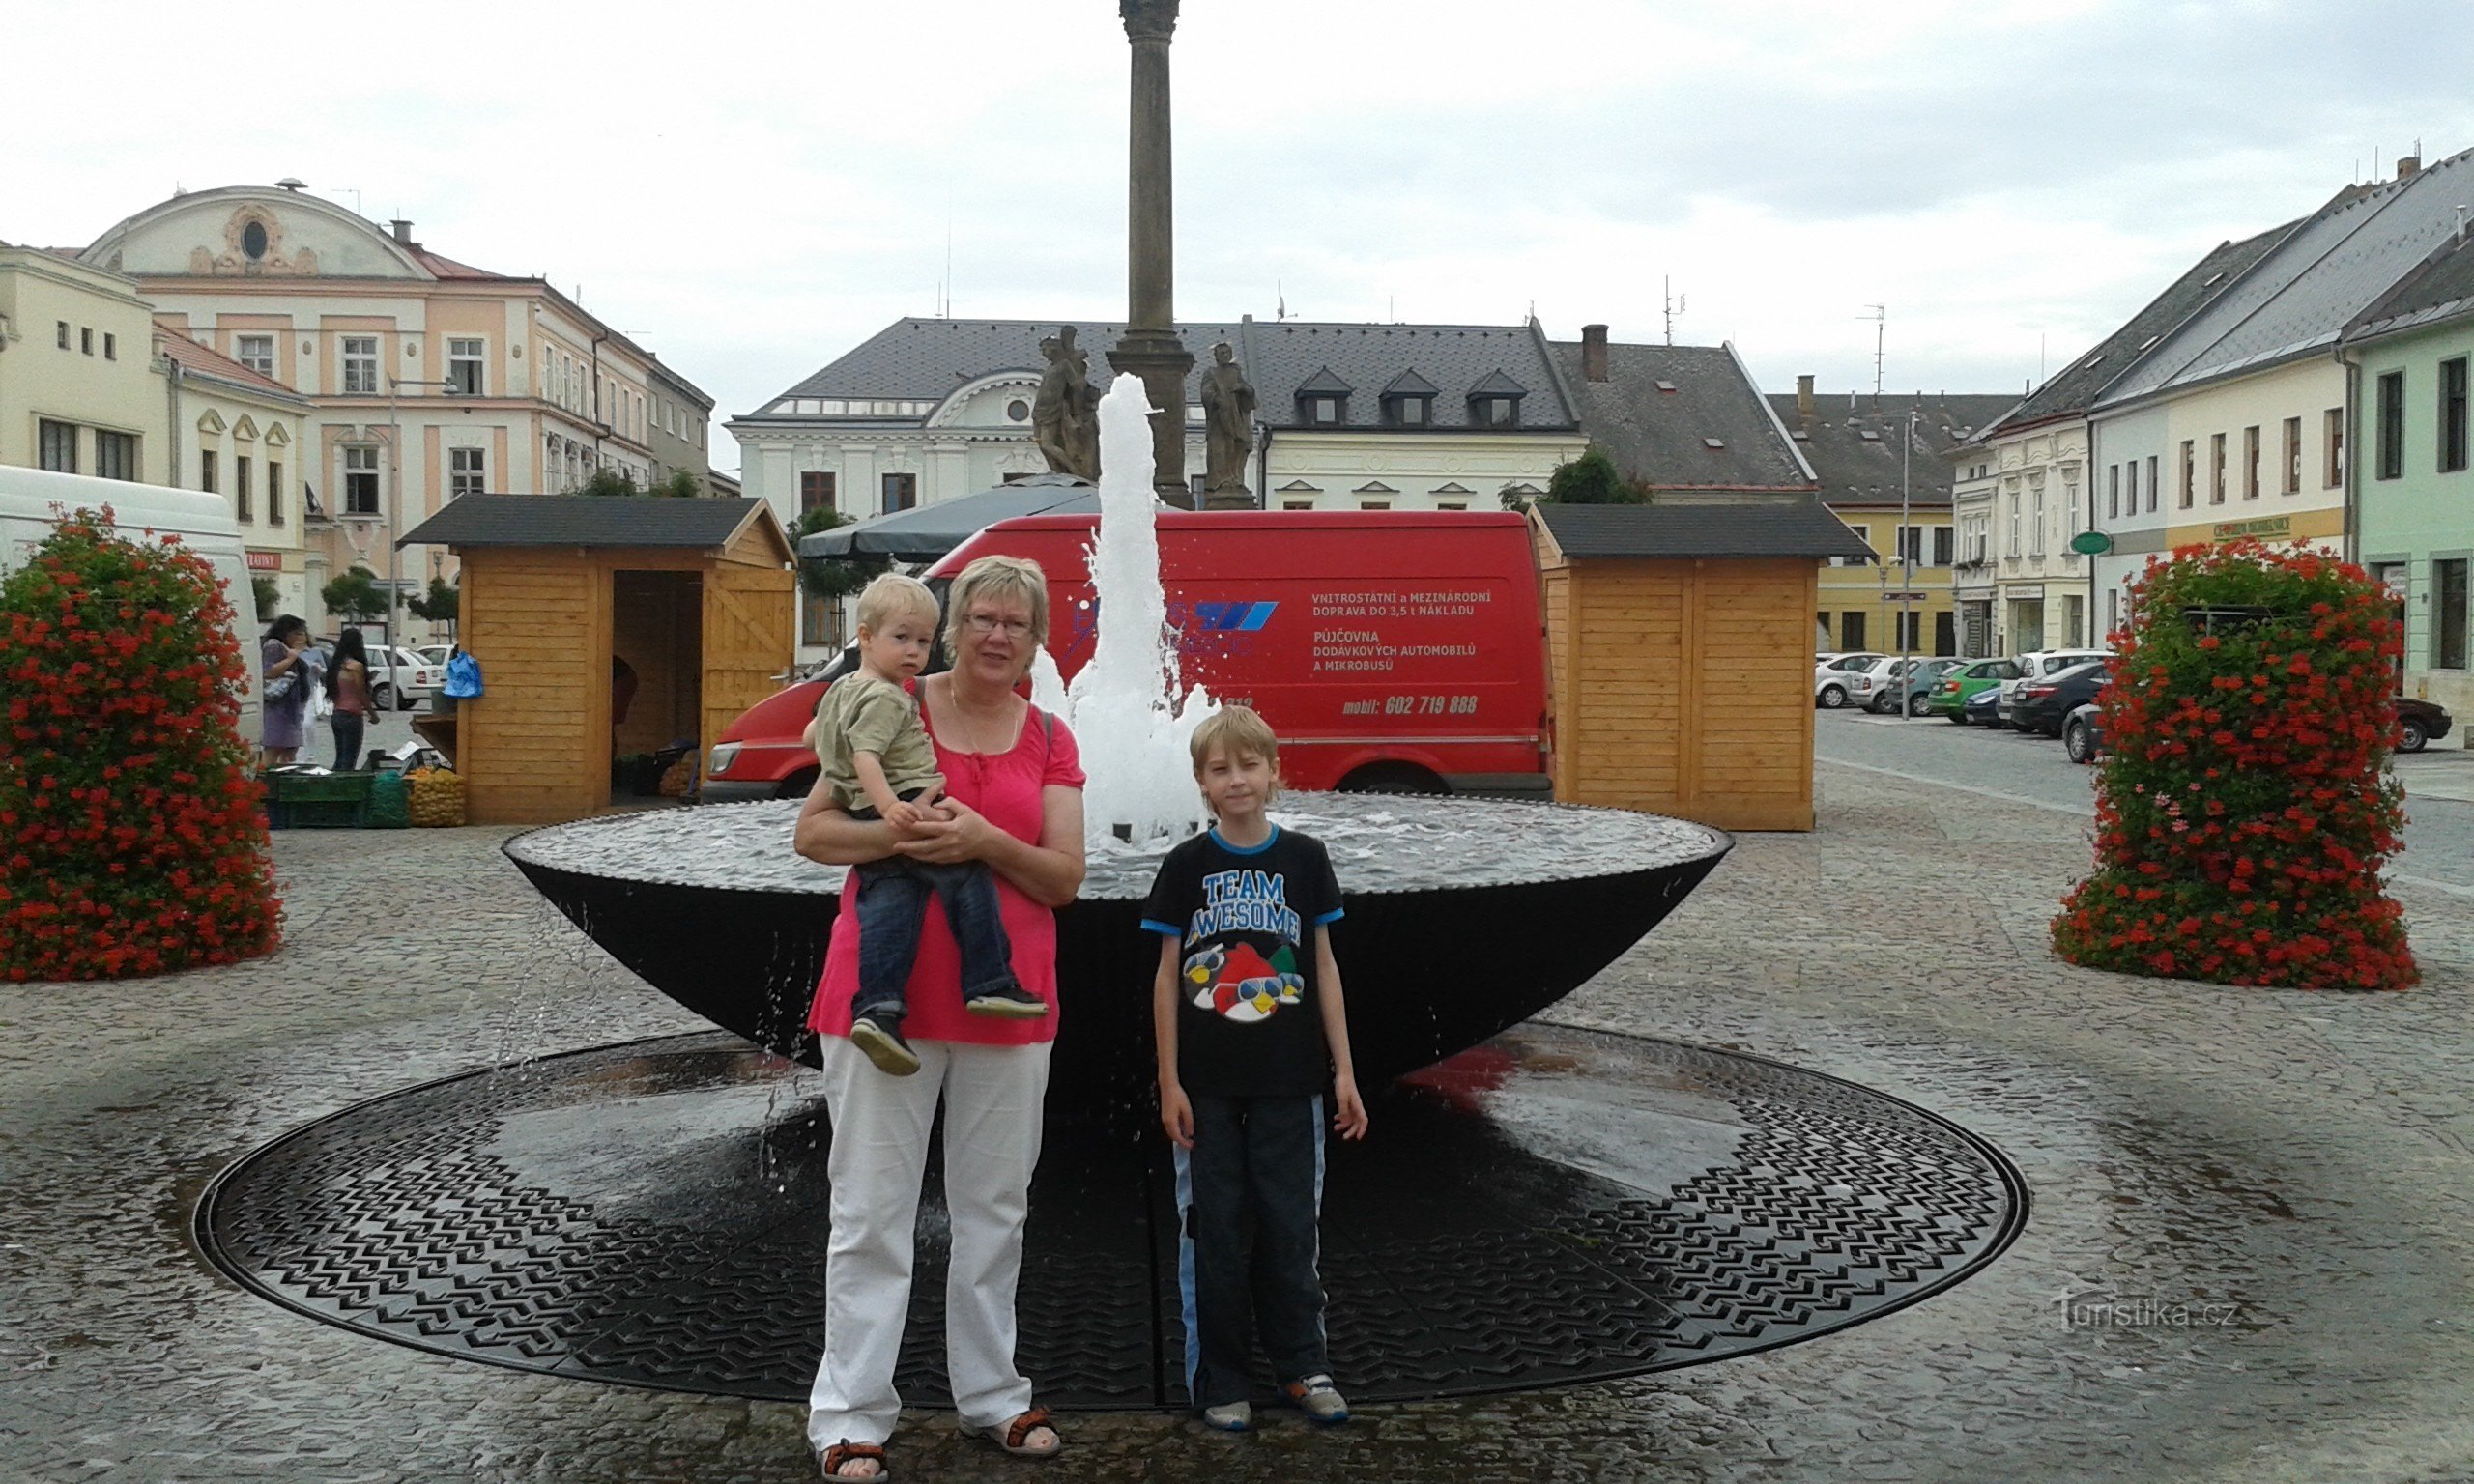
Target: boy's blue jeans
1250, 1195
893, 901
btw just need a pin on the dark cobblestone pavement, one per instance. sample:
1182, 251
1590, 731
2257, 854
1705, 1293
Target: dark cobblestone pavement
2251, 1255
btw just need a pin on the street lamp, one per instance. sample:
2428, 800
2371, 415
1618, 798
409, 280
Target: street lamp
395, 497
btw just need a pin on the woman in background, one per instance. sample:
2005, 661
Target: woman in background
348, 690
283, 719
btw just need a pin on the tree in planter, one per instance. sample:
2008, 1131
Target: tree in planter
1593, 480
610, 482
831, 578
441, 605
130, 840
682, 484
2243, 812
266, 598
355, 597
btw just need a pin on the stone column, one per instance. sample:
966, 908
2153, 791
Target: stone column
1150, 348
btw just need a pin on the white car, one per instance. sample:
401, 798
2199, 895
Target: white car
433, 656
2036, 665
398, 678
1834, 677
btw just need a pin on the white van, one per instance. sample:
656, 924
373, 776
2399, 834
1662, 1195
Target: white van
203, 521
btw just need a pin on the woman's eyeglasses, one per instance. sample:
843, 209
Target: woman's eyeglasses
985, 624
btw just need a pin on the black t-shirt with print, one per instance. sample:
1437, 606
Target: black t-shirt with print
1248, 1022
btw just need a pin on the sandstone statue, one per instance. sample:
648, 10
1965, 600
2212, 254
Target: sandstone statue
1229, 422
1065, 412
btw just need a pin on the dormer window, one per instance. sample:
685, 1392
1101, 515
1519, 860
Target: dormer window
1409, 401
1495, 401
1323, 400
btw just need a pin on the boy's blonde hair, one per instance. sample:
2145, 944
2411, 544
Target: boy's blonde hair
893, 596
1235, 730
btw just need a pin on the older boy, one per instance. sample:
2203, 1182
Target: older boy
1252, 1028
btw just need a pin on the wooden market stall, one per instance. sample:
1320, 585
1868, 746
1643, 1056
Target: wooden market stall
688, 604
1679, 641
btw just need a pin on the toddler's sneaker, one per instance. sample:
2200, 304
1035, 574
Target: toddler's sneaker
1317, 1398
878, 1033
1010, 1002
1234, 1417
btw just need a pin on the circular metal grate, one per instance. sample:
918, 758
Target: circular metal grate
1552, 1206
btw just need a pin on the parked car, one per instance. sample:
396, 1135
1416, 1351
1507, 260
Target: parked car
2043, 703
434, 656
1951, 693
2419, 723
2083, 732
1984, 708
1901, 683
398, 678
1834, 676
2040, 664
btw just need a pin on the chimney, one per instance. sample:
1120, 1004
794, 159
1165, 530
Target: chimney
2407, 164
403, 232
1594, 352
1804, 396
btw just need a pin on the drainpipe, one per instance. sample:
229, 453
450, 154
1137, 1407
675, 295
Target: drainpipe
2351, 471
1263, 466
600, 423
2095, 462
172, 402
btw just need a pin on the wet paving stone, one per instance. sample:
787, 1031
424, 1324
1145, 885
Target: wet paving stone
2300, 1158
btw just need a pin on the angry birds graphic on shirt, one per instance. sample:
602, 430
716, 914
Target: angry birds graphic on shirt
1241, 985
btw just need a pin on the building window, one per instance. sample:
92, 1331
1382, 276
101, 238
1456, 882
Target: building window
1850, 630
901, 492
209, 477
2113, 491
2112, 613
85, 340
816, 490
2452, 416
2189, 471
2290, 475
1495, 411
2448, 615
257, 353
360, 480
2216, 469
274, 493
61, 333
116, 455
111, 346
1942, 551
2036, 521
56, 445
2152, 495
468, 472
2251, 462
1910, 544
820, 620
1295, 503
361, 365
253, 241
241, 487
1908, 629
2332, 430
463, 367
1455, 503
2392, 426
2130, 487
1323, 412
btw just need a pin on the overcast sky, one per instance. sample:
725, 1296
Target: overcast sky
752, 187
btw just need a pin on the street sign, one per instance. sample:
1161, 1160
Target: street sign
2092, 543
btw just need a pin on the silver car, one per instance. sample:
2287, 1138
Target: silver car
1834, 677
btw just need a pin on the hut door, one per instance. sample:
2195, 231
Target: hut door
749, 616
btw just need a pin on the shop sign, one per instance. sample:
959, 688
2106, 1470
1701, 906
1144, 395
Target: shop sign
2266, 526
266, 561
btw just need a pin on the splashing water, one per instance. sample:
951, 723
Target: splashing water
1126, 706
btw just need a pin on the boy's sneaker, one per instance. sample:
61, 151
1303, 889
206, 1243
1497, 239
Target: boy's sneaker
1234, 1417
1011, 1001
1317, 1398
878, 1033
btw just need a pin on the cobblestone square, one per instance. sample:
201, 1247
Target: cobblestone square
2247, 1255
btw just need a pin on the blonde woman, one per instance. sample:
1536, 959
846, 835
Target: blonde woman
1014, 802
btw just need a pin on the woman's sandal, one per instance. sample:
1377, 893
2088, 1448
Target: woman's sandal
848, 1452
1015, 1435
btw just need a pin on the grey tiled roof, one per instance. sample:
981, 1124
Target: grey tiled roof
1325, 382
1798, 528
1855, 469
1408, 384
2298, 299
1661, 437
1494, 383
2442, 288
582, 520
2075, 388
927, 360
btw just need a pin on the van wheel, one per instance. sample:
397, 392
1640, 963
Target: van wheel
798, 784
382, 696
1392, 777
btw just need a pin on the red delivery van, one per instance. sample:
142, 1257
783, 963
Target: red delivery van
1394, 651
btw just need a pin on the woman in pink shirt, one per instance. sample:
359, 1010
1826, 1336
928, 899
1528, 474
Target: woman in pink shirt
1014, 781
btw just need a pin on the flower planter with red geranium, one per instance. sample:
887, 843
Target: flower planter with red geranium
2243, 808
130, 840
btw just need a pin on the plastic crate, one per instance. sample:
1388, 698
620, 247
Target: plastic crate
317, 801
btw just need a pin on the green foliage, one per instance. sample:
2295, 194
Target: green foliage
1593, 480
682, 484
610, 482
831, 577
355, 596
266, 597
441, 605
133, 843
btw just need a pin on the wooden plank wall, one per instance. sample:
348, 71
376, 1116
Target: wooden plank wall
748, 616
1682, 687
534, 748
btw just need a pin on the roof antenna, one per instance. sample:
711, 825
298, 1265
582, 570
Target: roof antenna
1880, 318
1674, 303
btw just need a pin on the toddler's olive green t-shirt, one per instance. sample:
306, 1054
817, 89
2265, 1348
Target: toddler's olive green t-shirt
861, 713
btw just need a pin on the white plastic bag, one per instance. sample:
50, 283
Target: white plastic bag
320, 707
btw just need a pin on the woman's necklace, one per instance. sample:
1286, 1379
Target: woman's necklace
977, 726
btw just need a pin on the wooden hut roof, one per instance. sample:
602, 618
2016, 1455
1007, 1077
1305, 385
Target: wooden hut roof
587, 520
1803, 527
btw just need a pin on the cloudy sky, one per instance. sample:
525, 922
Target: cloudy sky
751, 187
